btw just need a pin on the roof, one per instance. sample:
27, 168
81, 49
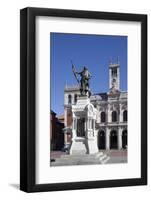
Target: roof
52, 112
72, 88
104, 96
101, 96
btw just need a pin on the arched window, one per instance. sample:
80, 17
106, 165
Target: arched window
114, 72
75, 98
125, 116
103, 117
69, 99
114, 116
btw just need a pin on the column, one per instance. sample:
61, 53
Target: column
72, 100
109, 113
93, 127
74, 127
65, 138
85, 125
119, 138
86, 121
65, 116
74, 123
107, 139
93, 124
121, 114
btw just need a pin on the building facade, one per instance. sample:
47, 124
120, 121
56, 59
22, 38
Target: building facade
111, 123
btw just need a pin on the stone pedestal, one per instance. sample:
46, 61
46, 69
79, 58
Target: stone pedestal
84, 135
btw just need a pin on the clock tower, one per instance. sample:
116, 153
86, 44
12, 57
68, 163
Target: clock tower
114, 75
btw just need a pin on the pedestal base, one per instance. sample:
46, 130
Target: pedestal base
83, 146
92, 146
78, 146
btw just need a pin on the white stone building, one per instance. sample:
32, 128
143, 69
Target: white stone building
111, 123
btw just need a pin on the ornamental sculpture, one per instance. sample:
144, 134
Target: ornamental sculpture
84, 80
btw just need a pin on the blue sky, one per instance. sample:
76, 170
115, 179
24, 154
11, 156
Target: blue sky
92, 51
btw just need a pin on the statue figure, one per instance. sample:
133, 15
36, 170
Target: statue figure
84, 81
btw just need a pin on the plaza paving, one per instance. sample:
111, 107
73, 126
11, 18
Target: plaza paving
59, 158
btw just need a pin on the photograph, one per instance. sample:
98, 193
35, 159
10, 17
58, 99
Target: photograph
83, 99
88, 99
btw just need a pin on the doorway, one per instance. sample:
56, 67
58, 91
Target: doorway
124, 139
101, 140
113, 139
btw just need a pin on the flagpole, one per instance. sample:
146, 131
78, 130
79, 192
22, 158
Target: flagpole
74, 71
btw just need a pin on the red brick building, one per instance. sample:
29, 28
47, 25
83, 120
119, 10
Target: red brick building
70, 98
56, 132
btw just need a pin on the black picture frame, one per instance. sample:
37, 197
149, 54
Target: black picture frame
28, 99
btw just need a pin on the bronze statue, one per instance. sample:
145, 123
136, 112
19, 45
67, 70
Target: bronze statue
84, 81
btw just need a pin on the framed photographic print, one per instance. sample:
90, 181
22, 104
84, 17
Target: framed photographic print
83, 99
